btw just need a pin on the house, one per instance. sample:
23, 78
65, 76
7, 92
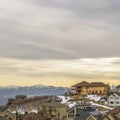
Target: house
113, 114
113, 88
85, 88
118, 89
96, 115
81, 88
98, 88
113, 99
22, 105
53, 110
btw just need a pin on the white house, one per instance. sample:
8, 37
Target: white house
113, 99
113, 88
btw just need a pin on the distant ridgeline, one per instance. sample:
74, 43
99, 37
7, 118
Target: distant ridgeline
37, 90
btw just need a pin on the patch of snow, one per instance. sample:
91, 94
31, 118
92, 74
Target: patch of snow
21, 111
94, 97
33, 111
64, 99
95, 104
72, 104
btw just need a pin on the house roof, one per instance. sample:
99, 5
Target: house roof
115, 110
82, 84
104, 98
118, 86
83, 115
113, 93
96, 115
99, 117
33, 116
56, 104
92, 84
98, 84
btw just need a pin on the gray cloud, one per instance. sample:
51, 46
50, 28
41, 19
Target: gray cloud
66, 29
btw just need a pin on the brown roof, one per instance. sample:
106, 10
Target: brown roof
82, 84
33, 116
92, 84
112, 112
98, 84
118, 86
115, 110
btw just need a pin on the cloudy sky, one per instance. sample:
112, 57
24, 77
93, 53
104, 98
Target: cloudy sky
59, 42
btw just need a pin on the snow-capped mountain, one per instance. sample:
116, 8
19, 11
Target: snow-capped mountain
30, 91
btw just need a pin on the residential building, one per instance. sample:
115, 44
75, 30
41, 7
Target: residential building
98, 88
81, 88
113, 114
113, 88
96, 115
113, 99
85, 88
28, 104
53, 110
118, 89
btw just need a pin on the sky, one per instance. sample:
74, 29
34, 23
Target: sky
59, 42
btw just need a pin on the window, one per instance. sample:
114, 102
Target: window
117, 102
111, 102
111, 97
117, 97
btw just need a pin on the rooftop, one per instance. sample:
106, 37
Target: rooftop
113, 93
118, 86
97, 84
33, 116
115, 110
54, 104
82, 84
92, 84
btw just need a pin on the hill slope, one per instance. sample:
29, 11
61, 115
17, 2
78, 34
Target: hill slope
36, 90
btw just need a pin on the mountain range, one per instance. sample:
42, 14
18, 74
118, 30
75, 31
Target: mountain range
31, 91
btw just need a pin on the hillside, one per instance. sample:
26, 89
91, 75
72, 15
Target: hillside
36, 90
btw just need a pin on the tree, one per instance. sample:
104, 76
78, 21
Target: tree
17, 115
108, 88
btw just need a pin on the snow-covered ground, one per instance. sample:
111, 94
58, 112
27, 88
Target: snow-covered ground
65, 100
21, 111
103, 106
94, 97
